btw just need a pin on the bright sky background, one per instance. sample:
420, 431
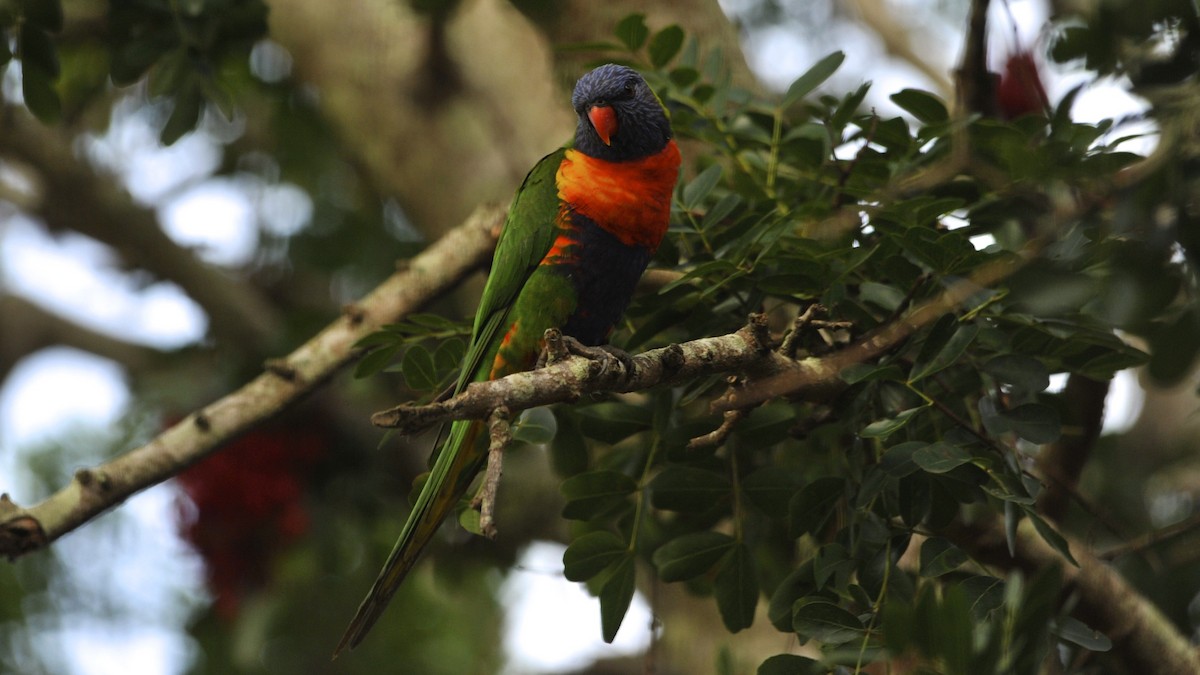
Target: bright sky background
60, 389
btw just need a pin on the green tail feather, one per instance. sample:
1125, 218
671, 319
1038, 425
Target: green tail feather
455, 468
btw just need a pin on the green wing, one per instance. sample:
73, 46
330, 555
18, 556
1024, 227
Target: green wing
528, 233
527, 236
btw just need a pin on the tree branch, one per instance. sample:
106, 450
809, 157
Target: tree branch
95, 490
1143, 638
74, 196
748, 351
28, 327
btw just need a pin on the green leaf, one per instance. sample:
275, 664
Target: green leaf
685, 488
890, 425
568, 453
940, 457
419, 370
695, 191
813, 78
983, 594
184, 115
1073, 630
1051, 536
820, 619
615, 596
798, 584
469, 520
829, 560
724, 206
375, 361
1034, 422
1024, 373
45, 14
790, 664
590, 494
736, 589
535, 426
771, 488
36, 49
40, 97
948, 355
691, 555
665, 45
590, 554
922, 105
811, 508
939, 556
632, 31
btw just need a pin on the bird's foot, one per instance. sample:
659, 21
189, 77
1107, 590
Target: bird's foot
612, 361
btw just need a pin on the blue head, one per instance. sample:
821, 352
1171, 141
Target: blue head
619, 117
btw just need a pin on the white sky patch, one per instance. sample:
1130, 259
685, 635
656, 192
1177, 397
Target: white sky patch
76, 277
56, 386
553, 625
216, 219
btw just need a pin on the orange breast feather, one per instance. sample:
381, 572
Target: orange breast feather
631, 200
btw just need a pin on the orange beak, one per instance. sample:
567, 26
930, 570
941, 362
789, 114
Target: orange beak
604, 121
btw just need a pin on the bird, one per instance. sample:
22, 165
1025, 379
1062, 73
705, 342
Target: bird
581, 229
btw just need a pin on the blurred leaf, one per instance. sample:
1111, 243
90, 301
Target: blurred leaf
812, 507
590, 494
184, 115
685, 488
822, 620
695, 191
632, 31
375, 361
1073, 630
790, 664
813, 78
1051, 536
40, 97
922, 105
37, 51
736, 589
665, 45
535, 426
419, 370
1025, 373
946, 354
691, 555
890, 425
615, 596
940, 457
44, 14
590, 554
939, 556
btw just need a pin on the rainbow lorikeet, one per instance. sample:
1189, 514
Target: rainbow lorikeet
579, 234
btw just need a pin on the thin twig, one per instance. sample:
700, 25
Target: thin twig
500, 435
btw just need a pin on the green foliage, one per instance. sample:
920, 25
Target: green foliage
808, 199
182, 47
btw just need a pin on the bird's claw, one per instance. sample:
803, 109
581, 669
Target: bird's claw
607, 356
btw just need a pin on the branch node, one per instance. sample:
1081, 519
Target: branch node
354, 312
554, 348
756, 330
92, 478
282, 369
201, 421
673, 359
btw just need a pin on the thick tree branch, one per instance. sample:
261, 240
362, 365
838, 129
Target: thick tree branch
74, 196
1143, 638
27, 328
286, 381
747, 351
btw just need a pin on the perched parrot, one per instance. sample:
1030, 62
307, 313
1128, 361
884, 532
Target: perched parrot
581, 229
